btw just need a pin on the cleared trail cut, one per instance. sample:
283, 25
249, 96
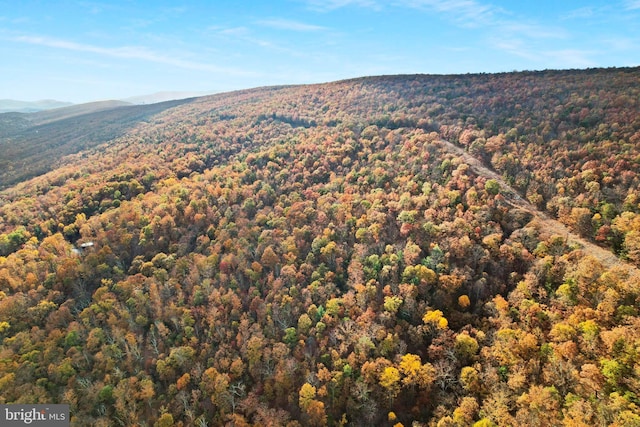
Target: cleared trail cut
545, 222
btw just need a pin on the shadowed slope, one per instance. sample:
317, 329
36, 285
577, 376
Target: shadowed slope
31, 144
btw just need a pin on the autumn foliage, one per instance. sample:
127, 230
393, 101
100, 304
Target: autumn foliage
315, 255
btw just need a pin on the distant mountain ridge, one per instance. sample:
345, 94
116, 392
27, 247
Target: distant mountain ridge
163, 96
73, 110
12, 105
17, 106
37, 140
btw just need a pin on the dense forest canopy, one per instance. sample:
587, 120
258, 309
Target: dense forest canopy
324, 255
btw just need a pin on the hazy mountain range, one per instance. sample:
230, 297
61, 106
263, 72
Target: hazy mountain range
164, 96
16, 106
11, 105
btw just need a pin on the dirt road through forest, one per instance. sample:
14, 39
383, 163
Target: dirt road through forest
606, 257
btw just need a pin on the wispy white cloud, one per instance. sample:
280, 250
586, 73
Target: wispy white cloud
94, 8
244, 34
176, 10
457, 48
233, 31
580, 13
248, 36
330, 5
632, 4
515, 47
519, 37
286, 24
468, 13
19, 20
546, 58
464, 13
125, 52
621, 43
573, 58
474, 14
532, 31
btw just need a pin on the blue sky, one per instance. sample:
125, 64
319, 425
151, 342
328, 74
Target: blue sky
82, 51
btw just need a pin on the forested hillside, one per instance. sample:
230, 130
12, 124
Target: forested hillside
33, 143
320, 255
